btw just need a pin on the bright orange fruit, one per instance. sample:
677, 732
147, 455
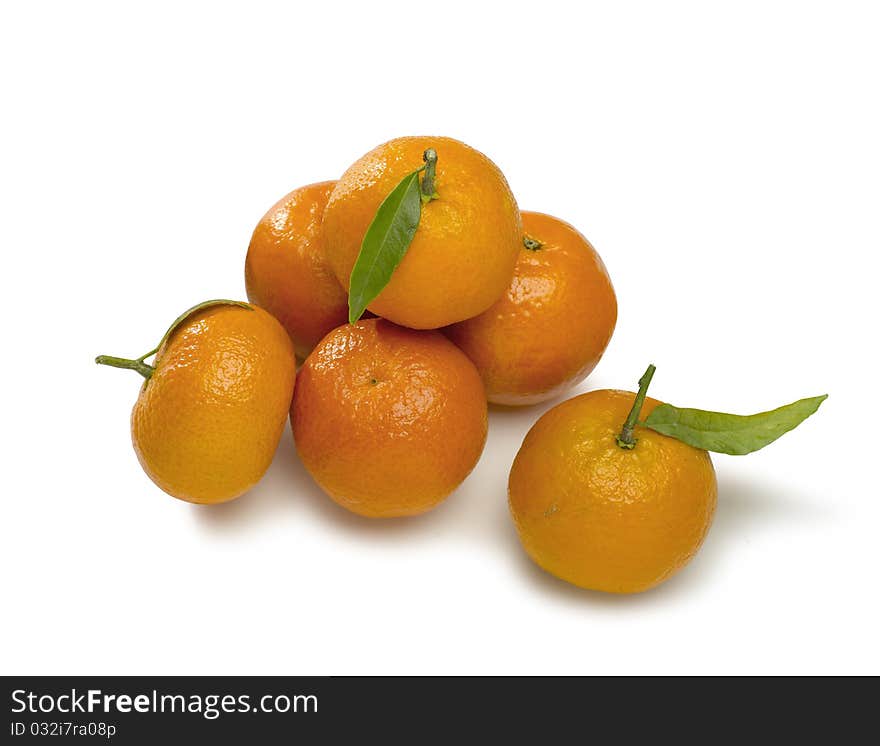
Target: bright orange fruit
603, 517
208, 420
461, 258
388, 420
286, 270
549, 330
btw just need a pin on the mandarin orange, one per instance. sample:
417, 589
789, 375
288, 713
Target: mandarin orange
550, 328
388, 420
286, 270
461, 258
607, 516
212, 409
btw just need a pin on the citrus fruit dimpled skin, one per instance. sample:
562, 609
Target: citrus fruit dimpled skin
388, 420
286, 270
207, 423
550, 328
602, 517
461, 258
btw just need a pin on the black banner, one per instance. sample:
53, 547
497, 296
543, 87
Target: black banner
151, 710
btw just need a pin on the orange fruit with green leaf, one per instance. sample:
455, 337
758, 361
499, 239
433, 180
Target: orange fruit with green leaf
549, 329
613, 491
423, 231
286, 270
388, 420
214, 401
610, 491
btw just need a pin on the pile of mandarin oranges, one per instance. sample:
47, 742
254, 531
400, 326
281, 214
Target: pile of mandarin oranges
468, 302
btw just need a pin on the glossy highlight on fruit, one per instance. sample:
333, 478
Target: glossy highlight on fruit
552, 325
462, 255
388, 420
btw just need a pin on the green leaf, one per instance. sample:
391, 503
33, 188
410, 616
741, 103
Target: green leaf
385, 244
730, 433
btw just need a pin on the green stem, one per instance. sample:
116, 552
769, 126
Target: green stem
531, 244
428, 191
626, 439
123, 362
147, 370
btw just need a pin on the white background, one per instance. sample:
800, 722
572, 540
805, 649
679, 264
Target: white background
724, 160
